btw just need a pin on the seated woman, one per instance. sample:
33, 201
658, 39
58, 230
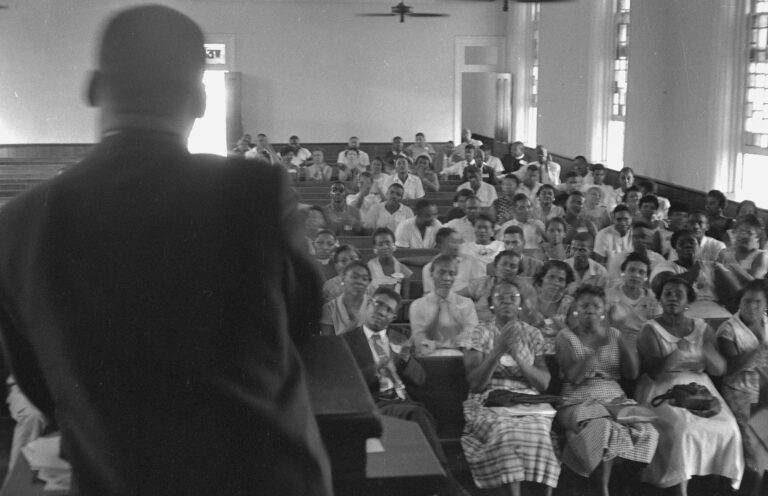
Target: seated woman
550, 307
594, 208
441, 320
713, 283
544, 208
422, 168
743, 208
347, 311
323, 246
484, 247
503, 207
506, 268
743, 341
632, 200
334, 286
380, 179
553, 248
632, 303
676, 349
745, 258
503, 447
592, 359
386, 270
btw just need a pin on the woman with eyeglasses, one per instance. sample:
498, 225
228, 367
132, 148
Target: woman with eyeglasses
347, 311
632, 303
504, 446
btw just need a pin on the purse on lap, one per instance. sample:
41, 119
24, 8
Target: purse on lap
694, 397
503, 397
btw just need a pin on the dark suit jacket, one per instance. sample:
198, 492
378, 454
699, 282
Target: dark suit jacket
411, 372
148, 301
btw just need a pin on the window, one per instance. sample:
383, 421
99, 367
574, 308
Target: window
533, 109
617, 122
755, 131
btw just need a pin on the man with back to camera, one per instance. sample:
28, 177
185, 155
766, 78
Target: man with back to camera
151, 298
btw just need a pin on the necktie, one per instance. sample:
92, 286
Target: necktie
389, 381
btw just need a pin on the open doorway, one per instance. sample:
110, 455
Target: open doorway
209, 134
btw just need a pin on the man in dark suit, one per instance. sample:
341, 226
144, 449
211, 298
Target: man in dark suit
150, 299
384, 358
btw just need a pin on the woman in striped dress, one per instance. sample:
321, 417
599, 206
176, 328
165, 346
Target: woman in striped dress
592, 358
504, 445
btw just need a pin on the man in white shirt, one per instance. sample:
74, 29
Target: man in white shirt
598, 179
464, 226
513, 238
642, 240
391, 213
419, 231
532, 228
300, 154
457, 168
411, 183
364, 200
493, 162
710, 248
469, 268
263, 150
482, 190
616, 238
466, 140
529, 183
354, 144
585, 270
549, 171
420, 147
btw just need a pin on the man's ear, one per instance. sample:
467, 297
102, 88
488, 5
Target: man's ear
93, 89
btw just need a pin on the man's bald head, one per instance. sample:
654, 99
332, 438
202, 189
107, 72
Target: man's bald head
151, 61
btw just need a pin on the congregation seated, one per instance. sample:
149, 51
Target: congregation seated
709, 247
676, 349
648, 187
441, 320
342, 255
743, 342
263, 150
459, 205
642, 240
396, 152
379, 177
597, 173
319, 170
549, 171
594, 208
743, 208
529, 181
593, 358
365, 199
572, 182
502, 447
574, 221
386, 270
466, 140
468, 267
457, 168
300, 154
616, 238
626, 181
487, 172
348, 310
677, 220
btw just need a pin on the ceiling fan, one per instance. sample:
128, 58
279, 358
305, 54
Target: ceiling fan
402, 10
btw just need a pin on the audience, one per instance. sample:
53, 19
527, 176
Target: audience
300, 154
631, 303
585, 269
745, 258
513, 238
614, 239
364, 200
324, 245
574, 221
420, 147
550, 308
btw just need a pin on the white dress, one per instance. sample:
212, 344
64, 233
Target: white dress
688, 444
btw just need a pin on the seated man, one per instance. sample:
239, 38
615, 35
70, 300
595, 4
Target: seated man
263, 150
513, 238
364, 200
529, 181
598, 179
549, 171
573, 218
300, 154
343, 219
354, 144
459, 205
466, 140
709, 248
318, 170
464, 226
419, 231
242, 146
457, 169
482, 190
441, 320
585, 270
420, 147
412, 185
642, 242
385, 268
30, 422
486, 171
324, 245
384, 358
533, 228
469, 268
397, 151
515, 159
390, 213
616, 238
714, 204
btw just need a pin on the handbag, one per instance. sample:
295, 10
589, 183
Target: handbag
694, 397
503, 397
631, 414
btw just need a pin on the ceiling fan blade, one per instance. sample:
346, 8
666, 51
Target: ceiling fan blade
427, 14
376, 15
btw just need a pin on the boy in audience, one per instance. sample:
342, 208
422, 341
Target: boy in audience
709, 248
384, 358
648, 187
609, 193
464, 226
714, 203
353, 144
384, 266
468, 267
649, 206
483, 247
616, 238
573, 218
486, 171
530, 181
419, 231
342, 255
364, 199
324, 244
457, 168
420, 147
581, 166
493, 162
390, 213
441, 320
533, 228
482, 190
514, 240
459, 208
412, 185
585, 269
343, 219
677, 221
571, 183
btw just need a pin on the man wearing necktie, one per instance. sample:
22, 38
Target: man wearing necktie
384, 358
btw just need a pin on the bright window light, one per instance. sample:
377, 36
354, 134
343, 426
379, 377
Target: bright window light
754, 179
209, 134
